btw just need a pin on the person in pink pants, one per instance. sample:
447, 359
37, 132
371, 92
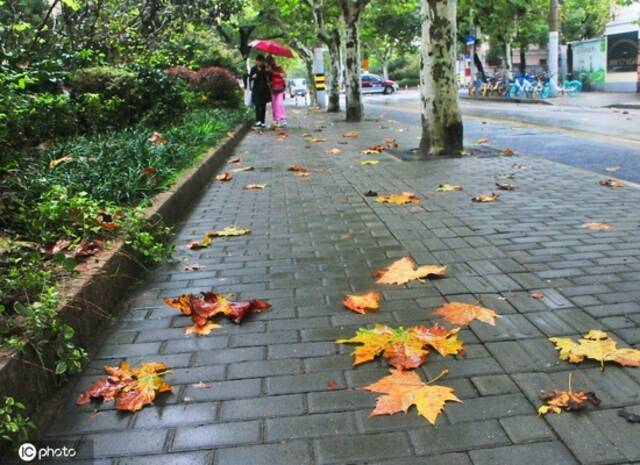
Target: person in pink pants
278, 88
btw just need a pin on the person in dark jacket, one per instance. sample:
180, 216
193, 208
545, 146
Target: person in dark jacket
259, 79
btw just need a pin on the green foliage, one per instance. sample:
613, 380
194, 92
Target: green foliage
584, 19
14, 427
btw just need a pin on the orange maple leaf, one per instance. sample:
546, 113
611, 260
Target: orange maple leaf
402, 389
460, 313
362, 303
224, 177
404, 270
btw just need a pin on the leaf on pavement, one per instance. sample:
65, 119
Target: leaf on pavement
537, 294
224, 177
402, 389
390, 143
403, 348
504, 176
507, 152
333, 151
210, 304
399, 199
157, 138
229, 231
598, 226
304, 174
131, 388
404, 270
369, 162
373, 150
596, 345
351, 134
297, 169
449, 187
486, 197
281, 134
569, 400
518, 166
315, 140
193, 267
363, 302
505, 186
611, 183
461, 314
249, 187
202, 244
234, 160
612, 169
55, 163
482, 140
243, 169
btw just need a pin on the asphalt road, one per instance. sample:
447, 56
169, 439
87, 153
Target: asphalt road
590, 138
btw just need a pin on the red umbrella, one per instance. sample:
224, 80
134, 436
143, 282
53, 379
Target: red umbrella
272, 47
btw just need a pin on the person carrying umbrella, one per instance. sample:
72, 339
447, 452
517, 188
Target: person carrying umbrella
278, 87
259, 80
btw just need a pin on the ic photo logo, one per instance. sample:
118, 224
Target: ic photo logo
29, 452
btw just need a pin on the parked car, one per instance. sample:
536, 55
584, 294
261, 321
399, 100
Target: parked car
297, 87
373, 84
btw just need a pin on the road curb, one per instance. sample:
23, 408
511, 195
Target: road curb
88, 301
624, 106
506, 99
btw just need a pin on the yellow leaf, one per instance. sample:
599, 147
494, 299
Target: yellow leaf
461, 314
224, 177
255, 186
611, 183
448, 187
55, 163
399, 199
369, 162
596, 345
362, 303
201, 330
229, 231
333, 151
482, 140
598, 226
351, 134
402, 389
404, 270
486, 197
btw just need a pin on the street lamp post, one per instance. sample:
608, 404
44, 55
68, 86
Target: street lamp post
554, 34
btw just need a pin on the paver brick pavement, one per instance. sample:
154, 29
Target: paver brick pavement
277, 390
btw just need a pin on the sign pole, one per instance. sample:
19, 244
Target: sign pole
318, 73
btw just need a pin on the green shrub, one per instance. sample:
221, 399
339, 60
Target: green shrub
160, 98
108, 81
13, 426
218, 85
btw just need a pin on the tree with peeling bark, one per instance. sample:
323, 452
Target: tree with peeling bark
351, 13
441, 117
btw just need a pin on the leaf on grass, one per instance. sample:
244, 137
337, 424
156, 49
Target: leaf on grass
131, 388
399, 199
507, 152
55, 163
10, 245
404, 270
210, 304
448, 187
402, 389
369, 162
333, 151
569, 400
363, 302
612, 169
505, 186
461, 314
629, 416
482, 140
486, 197
148, 171
249, 187
537, 294
82, 250
596, 345
598, 226
351, 134
224, 177
243, 169
157, 138
611, 183
403, 348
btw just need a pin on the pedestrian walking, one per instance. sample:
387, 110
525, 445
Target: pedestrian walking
259, 82
278, 88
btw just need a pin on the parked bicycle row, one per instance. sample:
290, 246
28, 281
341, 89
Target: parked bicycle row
524, 86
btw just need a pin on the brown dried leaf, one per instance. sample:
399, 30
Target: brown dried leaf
611, 183
486, 197
404, 270
598, 226
507, 152
449, 187
461, 314
157, 138
249, 187
505, 186
224, 177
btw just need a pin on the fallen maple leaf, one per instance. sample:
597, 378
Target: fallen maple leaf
399, 199
369, 162
157, 138
229, 231
403, 348
507, 152
315, 140
332, 384
404, 270
297, 169
461, 314
598, 226
569, 400
611, 183
482, 140
132, 389
224, 177
448, 187
304, 174
390, 143
281, 134
201, 330
505, 186
596, 345
333, 151
202, 244
55, 163
373, 150
402, 389
351, 134
537, 294
486, 197
249, 187
243, 169
193, 267
234, 160
362, 303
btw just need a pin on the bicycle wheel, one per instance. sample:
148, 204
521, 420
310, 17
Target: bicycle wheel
573, 88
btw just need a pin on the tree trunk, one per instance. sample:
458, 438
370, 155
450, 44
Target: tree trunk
334, 74
523, 60
313, 92
508, 56
441, 118
351, 15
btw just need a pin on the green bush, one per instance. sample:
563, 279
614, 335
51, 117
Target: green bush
108, 81
13, 426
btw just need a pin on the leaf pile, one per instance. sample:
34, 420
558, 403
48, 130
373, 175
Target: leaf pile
210, 304
132, 388
403, 348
